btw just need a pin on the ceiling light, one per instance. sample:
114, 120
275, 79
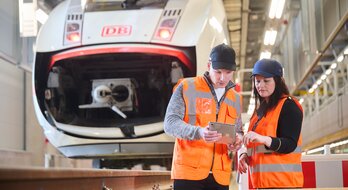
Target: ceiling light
340, 58
345, 52
333, 66
327, 72
319, 82
315, 86
332, 145
265, 55
311, 90
270, 37
267, 37
315, 150
323, 77
280, 8
276, 9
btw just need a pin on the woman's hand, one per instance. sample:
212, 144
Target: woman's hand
254, 137
243, 163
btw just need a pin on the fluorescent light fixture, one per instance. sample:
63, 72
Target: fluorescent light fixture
311, 90
323, 77
276, 9
280, 8
270, 37
315, 150
333, 66
273, 37
265, 55
315, 86
319, 81
340, 58
41, 16
332, 145
345, 52
267, 37
327, 72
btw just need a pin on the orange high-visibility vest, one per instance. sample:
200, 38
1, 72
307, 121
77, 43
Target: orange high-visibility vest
193, 159
269, 169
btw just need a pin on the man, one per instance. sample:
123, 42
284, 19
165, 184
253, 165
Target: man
199, 162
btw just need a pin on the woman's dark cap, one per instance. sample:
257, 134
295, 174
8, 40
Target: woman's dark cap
267, 68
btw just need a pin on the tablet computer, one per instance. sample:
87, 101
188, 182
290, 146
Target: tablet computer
228, 131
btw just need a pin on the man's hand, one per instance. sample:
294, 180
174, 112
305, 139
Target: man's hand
237, 144
209, 136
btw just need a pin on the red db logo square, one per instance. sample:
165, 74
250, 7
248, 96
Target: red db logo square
117, 30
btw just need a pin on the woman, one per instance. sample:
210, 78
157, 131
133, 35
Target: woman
273, 139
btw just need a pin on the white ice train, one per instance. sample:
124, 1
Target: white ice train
102, 69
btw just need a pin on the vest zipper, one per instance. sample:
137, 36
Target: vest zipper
212, 164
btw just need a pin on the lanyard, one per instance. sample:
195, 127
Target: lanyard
259, 117
257, 122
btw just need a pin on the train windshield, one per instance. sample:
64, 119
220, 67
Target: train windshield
112, 5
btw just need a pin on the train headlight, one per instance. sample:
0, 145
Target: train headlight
166, 29
164, 33
73, 29
73, 32
73, 37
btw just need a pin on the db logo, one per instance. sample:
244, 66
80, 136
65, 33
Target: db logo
118, 30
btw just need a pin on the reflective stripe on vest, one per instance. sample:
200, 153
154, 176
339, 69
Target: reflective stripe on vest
235, 104
262, 149
192, 94
276, 168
